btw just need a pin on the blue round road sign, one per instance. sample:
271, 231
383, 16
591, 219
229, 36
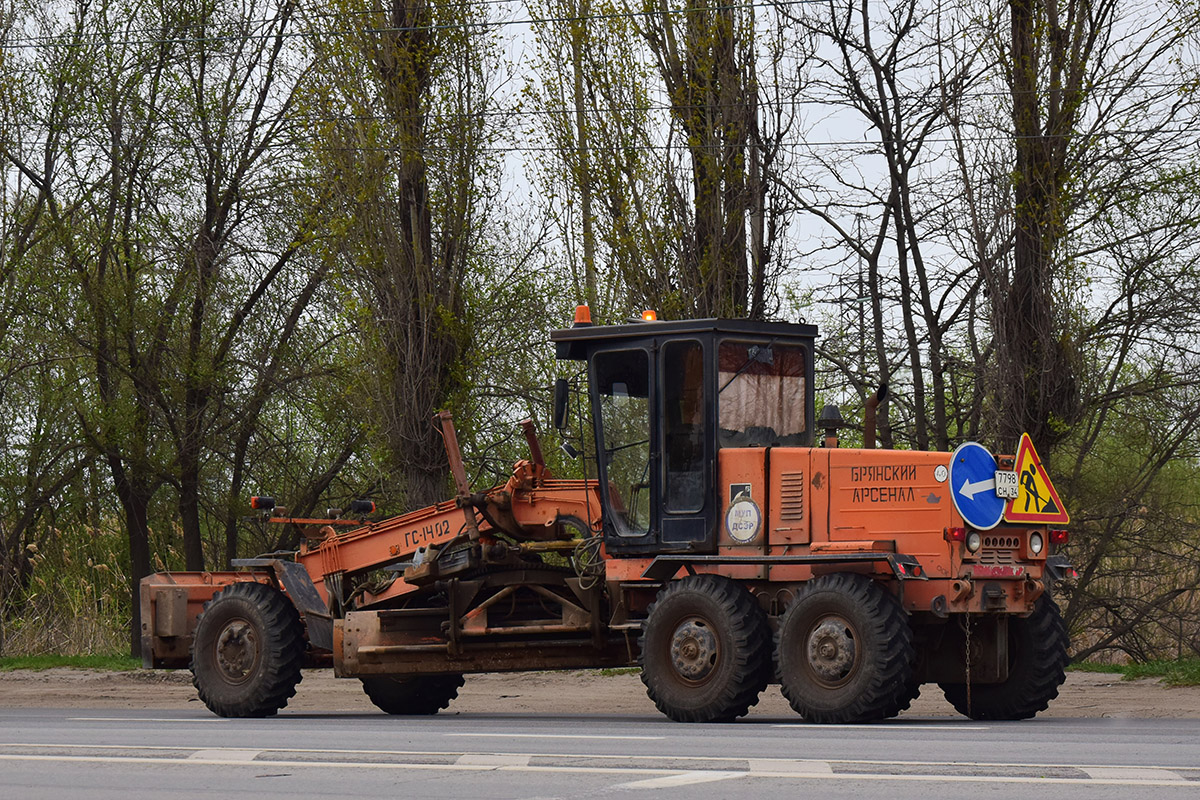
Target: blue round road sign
972, 483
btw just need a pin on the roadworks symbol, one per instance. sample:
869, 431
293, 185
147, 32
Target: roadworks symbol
1036, 499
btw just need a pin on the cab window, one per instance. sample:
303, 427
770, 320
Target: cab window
622, 387
761, 398
683, 425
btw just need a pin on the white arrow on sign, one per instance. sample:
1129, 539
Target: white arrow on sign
969, 490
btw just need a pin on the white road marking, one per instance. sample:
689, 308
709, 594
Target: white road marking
692, 776
224, 755
1132, 773
788, 765
681, 779
811, 726
655, 777
144, 719
492, 760
554, 736
259, 763
986, 779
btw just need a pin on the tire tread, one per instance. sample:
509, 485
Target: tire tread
415, 695
890, 688
751, 650
1033, 682
283, 655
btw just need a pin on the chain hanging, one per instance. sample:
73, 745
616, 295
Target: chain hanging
968, 632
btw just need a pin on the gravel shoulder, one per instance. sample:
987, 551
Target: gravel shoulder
1085, 694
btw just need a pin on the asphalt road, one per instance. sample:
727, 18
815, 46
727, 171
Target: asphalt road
47, 753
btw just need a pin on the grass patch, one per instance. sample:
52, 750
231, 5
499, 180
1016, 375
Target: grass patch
609, 671
1095, 666
1185, 672
117, 663
1182, 672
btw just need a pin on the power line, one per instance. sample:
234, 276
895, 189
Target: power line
68, 40
601, 113
517, 112
844, 144
33, 43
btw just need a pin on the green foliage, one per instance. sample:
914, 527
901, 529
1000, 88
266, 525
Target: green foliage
254, 253
601, 176
76, 600
1183, 672
1177, 672
1130, 478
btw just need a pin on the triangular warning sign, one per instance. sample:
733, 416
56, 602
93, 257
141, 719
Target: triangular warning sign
1036, 500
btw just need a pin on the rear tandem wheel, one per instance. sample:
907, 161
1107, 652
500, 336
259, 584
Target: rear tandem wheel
705, 650
845, 651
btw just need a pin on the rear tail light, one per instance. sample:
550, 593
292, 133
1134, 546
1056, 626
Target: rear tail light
1059, 536
955, 534
1036, 543
974, 541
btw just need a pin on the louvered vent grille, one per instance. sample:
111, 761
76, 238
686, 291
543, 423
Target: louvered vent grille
791, 496
999, 549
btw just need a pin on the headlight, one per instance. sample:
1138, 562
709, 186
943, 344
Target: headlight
974, 541
1035, 543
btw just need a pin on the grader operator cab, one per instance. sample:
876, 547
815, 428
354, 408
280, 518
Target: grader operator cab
714, 542
666, 398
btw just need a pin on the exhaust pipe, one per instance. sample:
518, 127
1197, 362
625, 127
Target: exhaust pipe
869, 417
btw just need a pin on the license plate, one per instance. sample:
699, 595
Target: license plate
1006, 484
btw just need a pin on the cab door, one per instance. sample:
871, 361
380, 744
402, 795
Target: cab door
656, 449
688, 447
622, 398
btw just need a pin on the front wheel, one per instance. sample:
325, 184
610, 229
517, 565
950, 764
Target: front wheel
412, 695
247, 651
845, 651
705, 650
1037, 653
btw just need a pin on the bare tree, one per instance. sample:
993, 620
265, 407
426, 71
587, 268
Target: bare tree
707, 58
1082, 216
889, 70
410, 164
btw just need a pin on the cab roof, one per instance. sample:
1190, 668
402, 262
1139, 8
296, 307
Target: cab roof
575, 343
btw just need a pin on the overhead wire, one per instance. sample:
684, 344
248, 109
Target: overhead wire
798, 146
527, 112
68, 39
520, 111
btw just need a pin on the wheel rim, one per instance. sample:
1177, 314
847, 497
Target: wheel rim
695, 650
238, 651
831, 652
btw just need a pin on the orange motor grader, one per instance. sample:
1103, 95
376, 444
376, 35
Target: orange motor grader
717, 541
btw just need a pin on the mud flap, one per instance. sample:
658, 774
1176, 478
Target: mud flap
304, 595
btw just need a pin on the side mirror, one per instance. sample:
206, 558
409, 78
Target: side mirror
561, 395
